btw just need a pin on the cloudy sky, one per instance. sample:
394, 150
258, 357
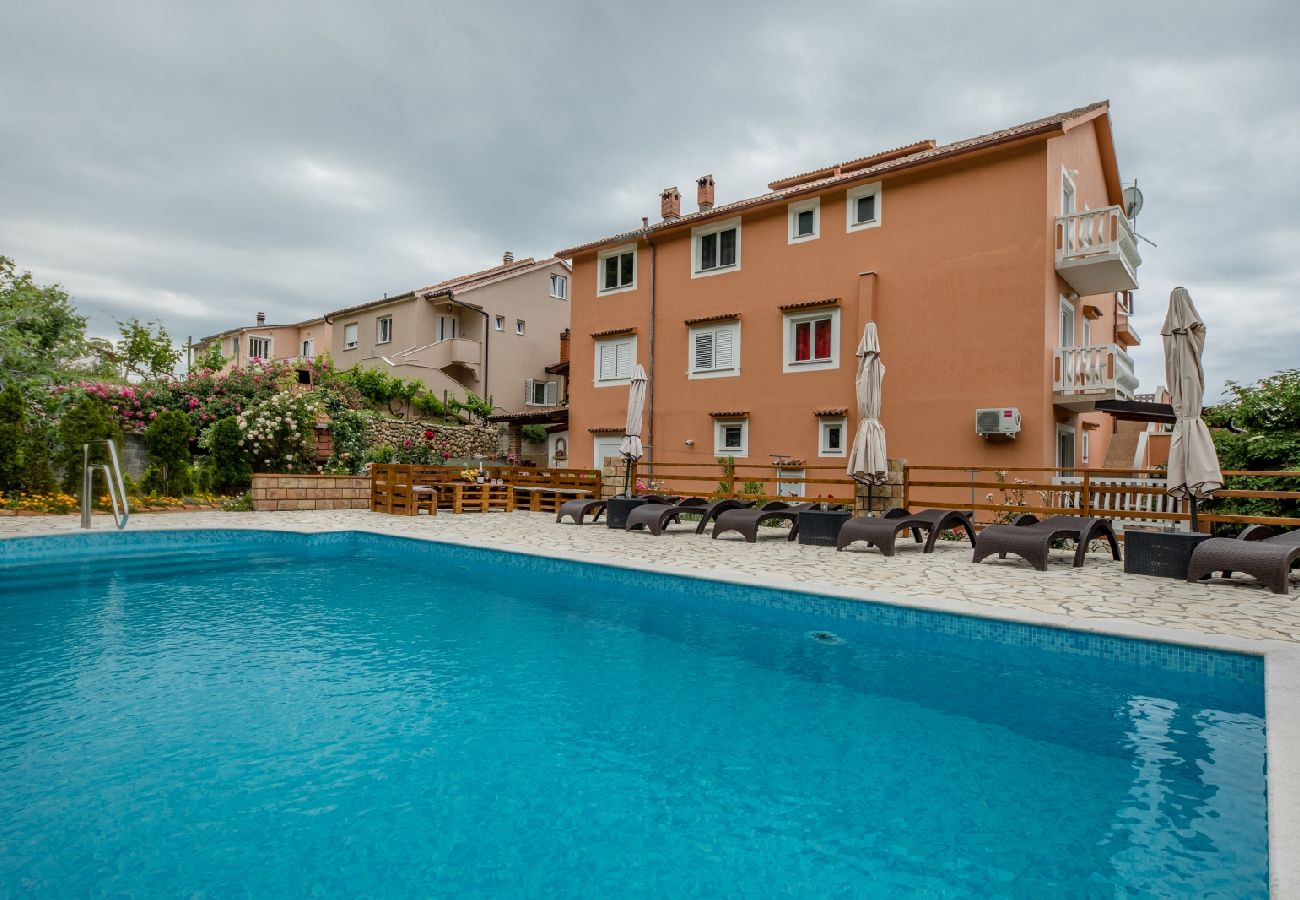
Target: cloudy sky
198, 162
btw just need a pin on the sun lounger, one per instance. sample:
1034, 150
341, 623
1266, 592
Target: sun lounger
882, 532
1032, 539
1258, 551
746, 520
655, 517
577, 509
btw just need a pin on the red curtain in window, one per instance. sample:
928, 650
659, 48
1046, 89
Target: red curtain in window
823, 342
801, 341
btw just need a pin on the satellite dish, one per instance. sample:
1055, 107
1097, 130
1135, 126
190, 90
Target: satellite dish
1132, 201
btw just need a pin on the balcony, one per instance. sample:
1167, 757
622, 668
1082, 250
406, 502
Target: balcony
1096, 252
455, 352
1082, 376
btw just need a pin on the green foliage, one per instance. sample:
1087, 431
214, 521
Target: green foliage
1268, 413
379, 390
348, 432
382, 454
13, 425
145, 349
476, 407
752, 488
210, 358
170, 462
279, 433
87, 420
36, 476
535, 434
41, 333
429, 406
228, 465
241, 503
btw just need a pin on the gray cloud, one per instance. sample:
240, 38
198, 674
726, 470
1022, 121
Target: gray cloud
200, 162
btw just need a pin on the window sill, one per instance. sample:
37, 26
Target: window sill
811, 365
711, 373
381, 343
863, 226
804, 238
605, 292
717, 270
614, 383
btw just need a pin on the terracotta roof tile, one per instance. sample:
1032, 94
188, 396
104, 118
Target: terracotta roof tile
611, 332
606, 429
720, 317
836, 411
867, 170
810, 304
542, 413
729, 415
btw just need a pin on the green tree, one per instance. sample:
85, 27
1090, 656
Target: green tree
13, 425
86, 420
170, 470
41, 333
210, 358
145, 349
36, 475
229, 467
1265, 436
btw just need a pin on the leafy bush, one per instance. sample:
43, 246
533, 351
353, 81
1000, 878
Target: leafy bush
170, 472
36, 476
87, 420
426, 404
228, 467
379, 390
279, 433
1268, 416
13, 425
348, 431
476, 407
382, 454
535, 434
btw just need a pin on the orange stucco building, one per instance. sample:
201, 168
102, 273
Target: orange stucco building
999, 271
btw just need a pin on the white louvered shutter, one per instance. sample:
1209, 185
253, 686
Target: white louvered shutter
608, 364
528, 392
623, 357
724, 348
703, 351
552, 393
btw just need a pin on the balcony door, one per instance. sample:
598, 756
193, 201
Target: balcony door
1067, 324
447, 328
1065, 449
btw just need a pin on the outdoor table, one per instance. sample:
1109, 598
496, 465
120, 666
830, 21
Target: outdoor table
617, 510
821, 527
1164, 554
473, 496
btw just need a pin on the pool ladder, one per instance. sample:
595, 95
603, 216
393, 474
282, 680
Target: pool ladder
113, 478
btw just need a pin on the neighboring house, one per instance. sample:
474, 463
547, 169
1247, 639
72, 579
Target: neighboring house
306, 340
998, 269
491, 332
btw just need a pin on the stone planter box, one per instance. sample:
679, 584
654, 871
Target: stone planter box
282, 492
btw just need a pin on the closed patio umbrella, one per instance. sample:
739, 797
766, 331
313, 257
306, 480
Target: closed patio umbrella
867, 461
1193, 463
630, 447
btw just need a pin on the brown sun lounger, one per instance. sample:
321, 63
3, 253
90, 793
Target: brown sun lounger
883, 531
1032, 539
1258, 551
578, 509
655, 517
746, 520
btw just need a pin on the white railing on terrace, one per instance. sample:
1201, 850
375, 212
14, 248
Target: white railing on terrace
1107, 495
1093, 369
1096, 232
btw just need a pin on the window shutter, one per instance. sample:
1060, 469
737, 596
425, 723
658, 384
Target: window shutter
724, 348
552, 393
528, 392
623, 359
607, 364
703, 350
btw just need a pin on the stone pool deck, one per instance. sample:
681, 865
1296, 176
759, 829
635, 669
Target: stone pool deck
1099, 592
1237, 615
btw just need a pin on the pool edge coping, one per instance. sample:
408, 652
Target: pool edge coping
1281, 661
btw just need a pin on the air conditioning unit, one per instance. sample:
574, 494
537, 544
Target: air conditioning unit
1002, 421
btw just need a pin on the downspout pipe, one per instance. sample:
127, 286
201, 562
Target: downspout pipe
650, 361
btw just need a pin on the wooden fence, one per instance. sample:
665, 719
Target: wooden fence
1133, 496
775, 481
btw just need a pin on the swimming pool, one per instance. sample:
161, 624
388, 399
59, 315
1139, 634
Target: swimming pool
343, 714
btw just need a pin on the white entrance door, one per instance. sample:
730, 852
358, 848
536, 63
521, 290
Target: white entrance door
604, 447
1065, 449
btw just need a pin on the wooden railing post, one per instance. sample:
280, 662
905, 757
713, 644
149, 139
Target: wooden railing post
1085, 494
907, 487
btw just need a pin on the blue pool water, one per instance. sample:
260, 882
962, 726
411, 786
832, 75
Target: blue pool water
250, 714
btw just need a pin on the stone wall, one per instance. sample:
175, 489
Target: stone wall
279, 492
883, 496
465, 442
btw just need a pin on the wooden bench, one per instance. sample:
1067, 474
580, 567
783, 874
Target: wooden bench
547, 489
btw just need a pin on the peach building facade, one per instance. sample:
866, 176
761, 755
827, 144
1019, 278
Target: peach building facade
999, 271
305, 340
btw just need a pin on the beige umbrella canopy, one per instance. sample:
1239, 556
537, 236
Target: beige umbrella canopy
1193, 463
867, 460
630, 447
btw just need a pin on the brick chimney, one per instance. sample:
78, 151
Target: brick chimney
565, 335
261, 319
508, 257
670, 204
704, 192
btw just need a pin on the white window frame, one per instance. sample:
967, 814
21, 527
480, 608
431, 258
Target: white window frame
521, 327
550, 392
308, 348
560, 283
630, 340
789, 488
351, 328
270, 347
1085, 444
380, 330
732, 326
1067, 313
1069, 194
852, 196
792, 216
788, 363
1061, 430
720, 427
601, 290
499, 323
823, 432
1086, 325
714, 228
455, 328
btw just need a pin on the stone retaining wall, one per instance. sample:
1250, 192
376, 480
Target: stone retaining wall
279, 492
463, 442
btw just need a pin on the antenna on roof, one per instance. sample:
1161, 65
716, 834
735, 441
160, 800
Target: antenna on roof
1132, 199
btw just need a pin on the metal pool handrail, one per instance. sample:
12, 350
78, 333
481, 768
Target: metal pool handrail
112, 477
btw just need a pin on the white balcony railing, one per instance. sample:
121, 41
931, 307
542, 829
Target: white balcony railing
1096, 251
1098, 369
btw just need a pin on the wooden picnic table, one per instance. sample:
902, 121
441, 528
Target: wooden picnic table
473, 496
